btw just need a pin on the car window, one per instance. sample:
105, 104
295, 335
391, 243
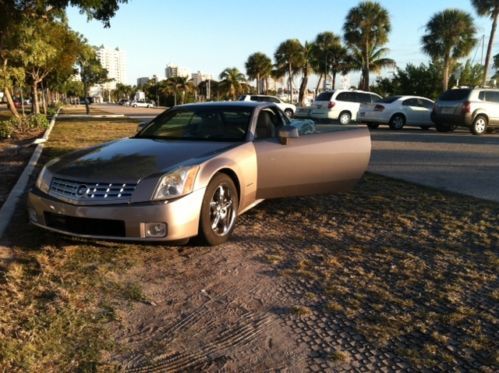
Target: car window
267, 124
346, 96
410, 102
208, 124
387, 100
374, 98
425, 103
325, 96
272, 99
492, 96
363, 98
256, 98
455, 95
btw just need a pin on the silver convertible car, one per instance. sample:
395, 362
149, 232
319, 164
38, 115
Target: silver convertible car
192, 171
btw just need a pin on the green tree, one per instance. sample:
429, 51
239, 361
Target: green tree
366, 30
488, 8
232, 82
471, 75
91, 71
306, 70
180, 85
259, 67
377, 61
289, 60
450, 35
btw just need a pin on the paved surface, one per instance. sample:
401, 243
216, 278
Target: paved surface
141, 114
458, 162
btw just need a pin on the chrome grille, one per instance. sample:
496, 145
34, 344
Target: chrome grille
79, 190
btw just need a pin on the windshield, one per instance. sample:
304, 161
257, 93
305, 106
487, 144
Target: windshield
209, 124
455, 95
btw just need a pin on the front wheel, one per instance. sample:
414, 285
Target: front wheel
479, 125
218, 211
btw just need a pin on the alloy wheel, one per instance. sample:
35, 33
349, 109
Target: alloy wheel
222, 213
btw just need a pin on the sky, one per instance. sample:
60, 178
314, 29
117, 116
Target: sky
211, 35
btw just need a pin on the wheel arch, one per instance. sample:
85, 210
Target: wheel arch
398, 113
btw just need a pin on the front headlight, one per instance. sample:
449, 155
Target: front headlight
45, 177
176, 183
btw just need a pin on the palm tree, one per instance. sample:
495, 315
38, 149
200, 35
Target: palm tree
326, 44
488, 8
176, 85
232, 81
450, 35
356, 61
366, 28
306, 69
258, 67
289, 60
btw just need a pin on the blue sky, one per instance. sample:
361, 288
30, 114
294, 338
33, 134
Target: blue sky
212, 35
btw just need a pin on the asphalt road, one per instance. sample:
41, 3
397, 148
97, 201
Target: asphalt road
458, 162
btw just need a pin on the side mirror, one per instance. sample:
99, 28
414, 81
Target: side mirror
288, 132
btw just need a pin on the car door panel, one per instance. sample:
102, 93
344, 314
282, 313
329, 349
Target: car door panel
317, 163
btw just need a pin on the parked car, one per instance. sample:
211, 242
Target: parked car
397, 112
124, 102
146, 104
339, 104
289, 109
192, 171
475, 108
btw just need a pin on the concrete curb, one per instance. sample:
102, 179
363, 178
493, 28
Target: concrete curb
84, 116
8, 208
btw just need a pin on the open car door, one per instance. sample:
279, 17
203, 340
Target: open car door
324, 162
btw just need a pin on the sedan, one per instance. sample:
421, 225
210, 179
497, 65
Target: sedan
145, 104
398, 112
192, 171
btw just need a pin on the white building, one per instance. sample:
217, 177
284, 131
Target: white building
173, 71
114, 61
200, 77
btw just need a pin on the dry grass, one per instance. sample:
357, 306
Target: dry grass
80, 109
413, 269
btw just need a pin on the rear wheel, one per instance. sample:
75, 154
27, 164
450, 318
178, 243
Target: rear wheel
397, 122
219, 210
479, 125
345, 117
373, 126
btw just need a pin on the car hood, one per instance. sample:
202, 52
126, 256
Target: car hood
132, 159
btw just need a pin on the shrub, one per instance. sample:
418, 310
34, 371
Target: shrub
37, 121
5, 129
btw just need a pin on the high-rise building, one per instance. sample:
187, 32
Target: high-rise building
142, 81
173, 71
200, 77
114, 61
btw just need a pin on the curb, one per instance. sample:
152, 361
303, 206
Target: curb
83, 116
9, 206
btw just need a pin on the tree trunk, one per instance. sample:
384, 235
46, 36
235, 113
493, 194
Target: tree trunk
303, 87
10, 103
489, 46
87, 106
318, 84
366, 68
334, 79
445, 81
36, 103
290, 85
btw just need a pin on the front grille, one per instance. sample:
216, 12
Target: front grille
86, 226
80, 190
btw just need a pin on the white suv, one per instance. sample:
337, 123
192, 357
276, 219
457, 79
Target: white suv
289, 109
339, 104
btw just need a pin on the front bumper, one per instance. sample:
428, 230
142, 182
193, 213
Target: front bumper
181, 217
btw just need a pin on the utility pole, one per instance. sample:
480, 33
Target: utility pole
483, 43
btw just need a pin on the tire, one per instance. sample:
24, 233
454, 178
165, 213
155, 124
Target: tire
397, 122
344, 118
479, 126
372, 126
425, 128
218, 211
289, 113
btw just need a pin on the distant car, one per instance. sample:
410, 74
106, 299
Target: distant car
192, 171
124, 102
146, 104
397, 112
289, 109
477, 109
339, 104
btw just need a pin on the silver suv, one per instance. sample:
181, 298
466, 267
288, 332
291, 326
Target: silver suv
477, 109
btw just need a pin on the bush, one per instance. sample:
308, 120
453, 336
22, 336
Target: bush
37, 121
5, 129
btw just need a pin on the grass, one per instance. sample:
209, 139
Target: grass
415, 270
80, 109
412, 268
